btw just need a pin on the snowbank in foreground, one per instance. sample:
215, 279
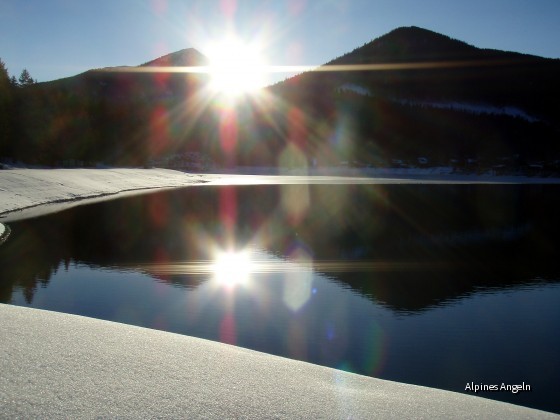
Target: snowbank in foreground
58, 365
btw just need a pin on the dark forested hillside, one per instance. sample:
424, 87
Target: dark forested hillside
424, 65
118, 115
416, 93
407, 97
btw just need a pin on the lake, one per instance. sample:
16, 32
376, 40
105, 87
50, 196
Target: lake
435, 285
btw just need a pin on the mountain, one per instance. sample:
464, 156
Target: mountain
130, 81
413, 92
118, 115
410, 97
415, 63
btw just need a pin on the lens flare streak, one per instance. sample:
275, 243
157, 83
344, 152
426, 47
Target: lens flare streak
319, 68
270, 267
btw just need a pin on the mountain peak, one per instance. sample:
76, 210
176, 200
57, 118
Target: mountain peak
421, 36
409, 43
182, 58
413, 31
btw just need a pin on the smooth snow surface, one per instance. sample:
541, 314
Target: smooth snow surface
22, 188
57, 365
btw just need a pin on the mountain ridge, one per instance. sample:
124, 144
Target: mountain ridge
182, 58
422, 37
447, 69
500, 105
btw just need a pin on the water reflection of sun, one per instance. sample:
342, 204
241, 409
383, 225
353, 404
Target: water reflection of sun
232, 268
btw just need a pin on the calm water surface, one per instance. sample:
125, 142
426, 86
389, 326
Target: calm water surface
427, 284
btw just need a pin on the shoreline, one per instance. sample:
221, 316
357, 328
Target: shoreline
26, 193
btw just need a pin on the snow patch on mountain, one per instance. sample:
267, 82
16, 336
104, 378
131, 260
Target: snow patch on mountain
511, 111
351, 87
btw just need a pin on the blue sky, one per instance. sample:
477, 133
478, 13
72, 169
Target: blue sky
60, 38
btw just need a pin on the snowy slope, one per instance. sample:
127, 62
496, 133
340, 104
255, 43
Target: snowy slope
66, 366
22, 188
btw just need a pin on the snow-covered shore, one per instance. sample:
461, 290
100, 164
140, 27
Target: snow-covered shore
3, 233
45, 190
59, 365
24, 188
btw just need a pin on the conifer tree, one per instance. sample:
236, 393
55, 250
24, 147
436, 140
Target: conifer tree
25, 78
4, 77
5, 109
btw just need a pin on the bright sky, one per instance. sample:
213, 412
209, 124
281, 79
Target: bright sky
60, 38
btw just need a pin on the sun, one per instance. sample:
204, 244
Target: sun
235, 67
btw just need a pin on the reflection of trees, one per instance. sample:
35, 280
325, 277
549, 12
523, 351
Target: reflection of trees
31, 255
485, 236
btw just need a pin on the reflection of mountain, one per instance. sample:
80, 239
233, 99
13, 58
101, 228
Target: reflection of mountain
467, 238
409, 292
187, 281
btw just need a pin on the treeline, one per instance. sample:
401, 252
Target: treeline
132, 119
407, 131
372, 130
96, 117
10, 95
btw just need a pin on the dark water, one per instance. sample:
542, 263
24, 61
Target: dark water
435, 285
